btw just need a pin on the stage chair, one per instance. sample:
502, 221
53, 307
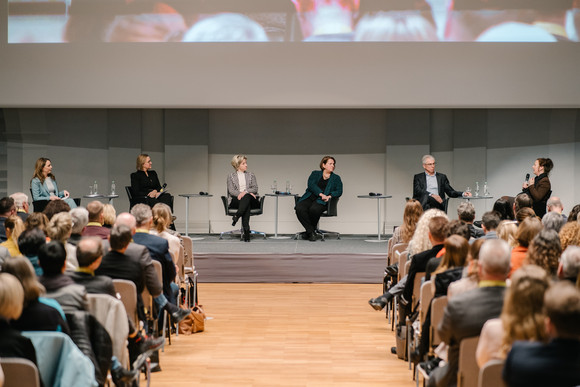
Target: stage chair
19, 372
40, 205
134, 199
253, 212
468, 372
330, 211
490, 374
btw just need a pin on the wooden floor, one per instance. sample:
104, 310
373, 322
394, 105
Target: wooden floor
286, 335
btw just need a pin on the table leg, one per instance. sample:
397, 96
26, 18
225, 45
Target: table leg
379, 220
276, 220
187, 216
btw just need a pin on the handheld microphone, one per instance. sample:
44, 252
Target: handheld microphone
527, 176
163, 187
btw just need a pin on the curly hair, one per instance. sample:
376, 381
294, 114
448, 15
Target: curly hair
570, 235
420, 241
545, 251
411, 215
522, 315
60, 227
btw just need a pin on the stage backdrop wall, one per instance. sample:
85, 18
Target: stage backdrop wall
377, 150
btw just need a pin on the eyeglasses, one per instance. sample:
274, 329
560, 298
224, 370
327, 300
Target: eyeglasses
429, 164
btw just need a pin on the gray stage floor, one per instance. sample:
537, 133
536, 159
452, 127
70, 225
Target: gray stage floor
349, 260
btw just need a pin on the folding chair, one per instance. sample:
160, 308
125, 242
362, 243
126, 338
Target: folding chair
490, 374
19, 372
468, 372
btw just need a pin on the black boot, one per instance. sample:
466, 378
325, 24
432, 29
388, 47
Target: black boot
247, 234
235, 219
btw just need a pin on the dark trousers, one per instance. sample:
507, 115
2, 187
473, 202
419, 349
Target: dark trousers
432, 203
164, 198
308, 212
244, 207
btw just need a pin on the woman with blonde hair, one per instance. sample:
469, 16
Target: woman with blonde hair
420, 241
161, 221
145, 183
507, 230
522, 316
109, 215
60, 229
404, 233
570, 235
242, 193
545, 251
14, 227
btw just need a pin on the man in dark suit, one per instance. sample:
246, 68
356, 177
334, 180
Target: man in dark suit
430, 187
555, 363
466, 313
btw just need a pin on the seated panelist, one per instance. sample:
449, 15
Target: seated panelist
242, 193
322, 186
145, 183
43, 184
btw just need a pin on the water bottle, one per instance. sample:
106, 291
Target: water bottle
287, 186
485, 189
95, 188
476, 188
274, 186
113, 187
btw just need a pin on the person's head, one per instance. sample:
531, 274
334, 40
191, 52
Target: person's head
11, 297
570, 235
420, 241
400, 27
507, 230
554, 204
438, 229
36, 220
411, 214
95, 209
54, 207
126, 219
14, 226
569, 267
458, 227
43, 169
473, 257
428, 164
30, 241
326, 16
542, 165
521, 201
527, 230
573, 215
80, 219
226, 27
553, 221
20, 201
60, 227
562, 309
489, 221
142, 214
240, 163
146, 27
143, 162
52, 258
7, 207
522, 315
456, 250
504, 209
161, 217
120, 237
466, 212
494, 260
525, 213
109, 215
89, 250
21, 268
328, 163
545, 251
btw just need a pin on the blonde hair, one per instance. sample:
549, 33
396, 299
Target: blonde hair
411, 215
16, 226
11, 297
420, 241
141, 160
507, 230
570, 235
161, 217
522, 315
237, 160
109, 215
60, 227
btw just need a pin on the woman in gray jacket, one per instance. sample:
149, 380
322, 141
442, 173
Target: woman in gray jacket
243, 193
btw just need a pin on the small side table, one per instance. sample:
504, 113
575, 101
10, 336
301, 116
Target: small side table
99, 196
187, 196
468, 198
378, 197
278, 195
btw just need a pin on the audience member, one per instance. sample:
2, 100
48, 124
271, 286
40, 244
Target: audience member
489, 223
455, 227
39, 313
80, 219
13, 226
527, 231
470, 274
109, 215
570, 235
96, 220
507, 230
524, 213
554, 204
399, 27
60, 229
522, 200
226, 27
522, 316
22, 205
504, 208
466, 213
161, 222
553, 221
54, 207
7, 208
569, 265
545, 251
466, 313
29, 244
36, 220
146, 27
52, 258
327, 20
572, 216
404, 233
554, 363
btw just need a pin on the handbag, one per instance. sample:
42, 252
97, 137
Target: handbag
194, 322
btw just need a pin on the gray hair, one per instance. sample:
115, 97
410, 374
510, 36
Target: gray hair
553, 221
226, 27
19, 199
495, 257
570, 261
80, 219
142, 213
466, 212
554, 201
427, 157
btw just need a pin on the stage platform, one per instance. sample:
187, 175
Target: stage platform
348, 260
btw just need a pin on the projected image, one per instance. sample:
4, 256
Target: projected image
64, 21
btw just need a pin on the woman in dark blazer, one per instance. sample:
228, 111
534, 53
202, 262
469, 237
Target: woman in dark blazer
242, 193
43, 184
539, 187
322, 186
145, 183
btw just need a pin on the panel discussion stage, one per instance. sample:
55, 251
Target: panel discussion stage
347, 260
